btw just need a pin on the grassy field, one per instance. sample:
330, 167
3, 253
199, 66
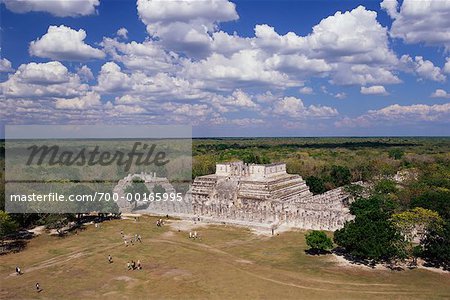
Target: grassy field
227, 262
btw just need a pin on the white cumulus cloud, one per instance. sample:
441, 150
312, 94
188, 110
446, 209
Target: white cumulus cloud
85, 73
43, 80
87, 101
373, 90
400, 114
306, 90
59, 8
295, 108
5, 66
147, 56
440, 93
428, 70
185, 25
122, 32
424, 21
446, 68
64, 43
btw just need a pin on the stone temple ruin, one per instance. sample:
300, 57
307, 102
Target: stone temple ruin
254, 195
150, 181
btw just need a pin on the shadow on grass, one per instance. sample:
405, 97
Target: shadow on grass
15, 242
12, 246
437, 264
317, 252
353, 259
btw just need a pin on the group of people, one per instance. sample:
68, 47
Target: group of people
160, 222
131, 265
134, 265
193, 235
135, 239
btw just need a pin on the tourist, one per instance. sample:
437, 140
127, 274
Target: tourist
139, 264
139, 238
195, 234
128, 266
38, 287
110, 259
190, 234
18, 271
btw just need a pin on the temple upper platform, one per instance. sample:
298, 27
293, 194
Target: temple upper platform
241, 169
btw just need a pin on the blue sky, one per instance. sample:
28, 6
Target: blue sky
229, 68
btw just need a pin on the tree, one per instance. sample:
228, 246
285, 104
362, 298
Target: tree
371, 235
81, 207
7, 225
396, 153
252, 158
436, 247
437, 199
355, 190
203, 165
318, 241
436, 244
385, 187
416, 223
364, 170
159, 189
376, 207
340, 175
316, 184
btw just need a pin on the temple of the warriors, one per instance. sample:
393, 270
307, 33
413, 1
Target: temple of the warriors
255, 195
266, 194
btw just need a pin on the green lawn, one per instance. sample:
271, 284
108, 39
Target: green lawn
227, 262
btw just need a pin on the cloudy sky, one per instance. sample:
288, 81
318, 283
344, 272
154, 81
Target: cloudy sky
229, 68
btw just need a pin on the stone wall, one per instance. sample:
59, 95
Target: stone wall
150, 181
235, 195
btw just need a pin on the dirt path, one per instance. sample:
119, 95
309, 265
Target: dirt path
64, 258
